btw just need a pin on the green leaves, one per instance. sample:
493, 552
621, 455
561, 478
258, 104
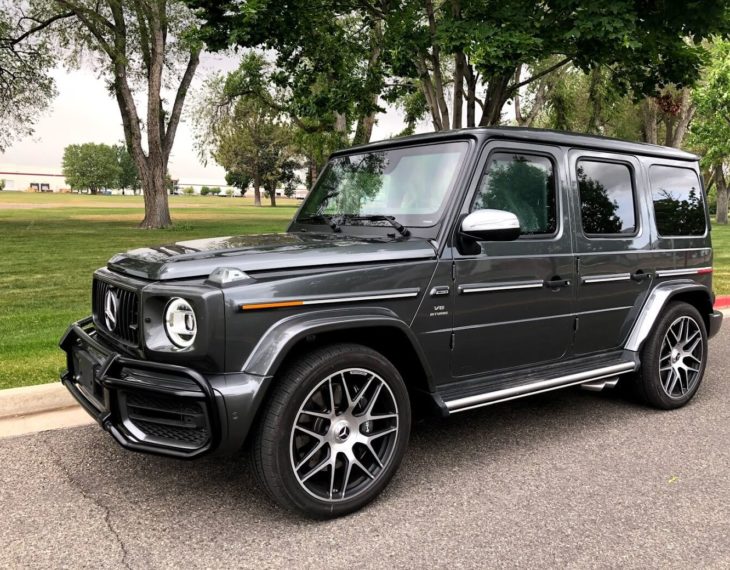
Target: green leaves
91, 167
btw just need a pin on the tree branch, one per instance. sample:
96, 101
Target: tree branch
177, 107
39, 27
542, 73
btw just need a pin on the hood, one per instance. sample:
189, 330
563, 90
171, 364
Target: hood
198, 258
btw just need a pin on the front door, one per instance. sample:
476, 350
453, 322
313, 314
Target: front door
514, 300
612, 247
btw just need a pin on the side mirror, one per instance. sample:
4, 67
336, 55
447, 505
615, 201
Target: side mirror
490, 225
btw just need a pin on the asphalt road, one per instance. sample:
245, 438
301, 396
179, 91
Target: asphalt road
567, 479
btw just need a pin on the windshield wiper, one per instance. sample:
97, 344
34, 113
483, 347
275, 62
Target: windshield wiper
400, 228
322, 218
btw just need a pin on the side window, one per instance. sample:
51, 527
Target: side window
607, 203
677, 198
521, 184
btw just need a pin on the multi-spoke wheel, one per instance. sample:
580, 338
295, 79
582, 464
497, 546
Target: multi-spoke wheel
334, 431
673, 358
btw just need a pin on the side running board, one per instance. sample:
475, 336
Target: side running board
590, 377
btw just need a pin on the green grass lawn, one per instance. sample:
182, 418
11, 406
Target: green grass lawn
51, 244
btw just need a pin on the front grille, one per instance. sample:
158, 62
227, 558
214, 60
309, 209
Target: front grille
126, 327
172, 421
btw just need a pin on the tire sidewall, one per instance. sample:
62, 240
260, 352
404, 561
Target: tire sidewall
353, 357
650, 378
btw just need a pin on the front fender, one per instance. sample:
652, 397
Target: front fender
275, 343
655, 303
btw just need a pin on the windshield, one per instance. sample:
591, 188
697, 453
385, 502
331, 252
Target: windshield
409, 184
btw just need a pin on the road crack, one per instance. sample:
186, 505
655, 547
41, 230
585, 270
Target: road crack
107, 518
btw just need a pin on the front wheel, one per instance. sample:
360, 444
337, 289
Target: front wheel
334, 431
673, 359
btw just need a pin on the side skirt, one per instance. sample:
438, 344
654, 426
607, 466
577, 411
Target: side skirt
458, 398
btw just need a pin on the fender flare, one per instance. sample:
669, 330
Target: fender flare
655, 303
273, 346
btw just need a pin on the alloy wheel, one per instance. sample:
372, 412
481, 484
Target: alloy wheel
344, 435
680, 358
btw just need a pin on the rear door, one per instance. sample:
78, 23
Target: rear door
514, 300
612, 247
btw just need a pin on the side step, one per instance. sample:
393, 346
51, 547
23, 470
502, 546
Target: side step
596, 377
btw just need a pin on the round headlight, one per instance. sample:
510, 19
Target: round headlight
180, 324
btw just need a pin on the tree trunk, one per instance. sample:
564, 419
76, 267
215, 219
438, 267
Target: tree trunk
686, 114
272, 195
494, 100
649, 120
156, 209
471, 95
722, 197
256, 189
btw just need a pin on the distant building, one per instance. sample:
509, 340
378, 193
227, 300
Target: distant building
40, 179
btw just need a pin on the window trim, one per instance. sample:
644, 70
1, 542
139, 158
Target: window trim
556, 189
703, 195
634, 195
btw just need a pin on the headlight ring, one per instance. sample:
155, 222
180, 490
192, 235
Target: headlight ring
181, 326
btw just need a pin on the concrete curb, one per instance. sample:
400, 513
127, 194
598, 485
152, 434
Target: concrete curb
34, 400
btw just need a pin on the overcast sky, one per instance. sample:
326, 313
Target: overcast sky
85, 112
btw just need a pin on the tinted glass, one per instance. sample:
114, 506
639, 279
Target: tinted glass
408, 183
606, 198
677, 199
521, 184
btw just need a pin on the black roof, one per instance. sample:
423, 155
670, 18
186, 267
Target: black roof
546, 136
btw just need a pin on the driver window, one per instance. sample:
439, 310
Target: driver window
521, 184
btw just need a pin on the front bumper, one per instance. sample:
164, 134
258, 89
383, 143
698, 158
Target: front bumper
153, 407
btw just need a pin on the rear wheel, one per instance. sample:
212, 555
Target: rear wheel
673, 359
334, 431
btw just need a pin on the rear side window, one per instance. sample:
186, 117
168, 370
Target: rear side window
606, 198
524, 185
677, 197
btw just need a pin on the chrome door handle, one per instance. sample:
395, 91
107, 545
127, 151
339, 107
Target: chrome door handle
557, 282
640, 276
440, 291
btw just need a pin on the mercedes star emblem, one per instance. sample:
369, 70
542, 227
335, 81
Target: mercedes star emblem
111, 304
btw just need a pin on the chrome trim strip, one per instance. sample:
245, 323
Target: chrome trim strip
479, 400
360, 298
484, 288
678, 272
346, 298
606, 278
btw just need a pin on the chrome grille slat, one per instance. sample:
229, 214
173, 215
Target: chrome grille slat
127, 329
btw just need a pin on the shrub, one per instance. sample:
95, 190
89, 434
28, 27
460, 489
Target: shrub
229, 192
204, 191
188, 190
214, 191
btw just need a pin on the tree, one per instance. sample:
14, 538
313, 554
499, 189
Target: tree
342, 55
91, 166
140, 47
128, 174
26, 57
239, 180
244, 134
710, 130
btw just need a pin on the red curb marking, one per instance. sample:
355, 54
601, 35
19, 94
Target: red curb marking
722, 302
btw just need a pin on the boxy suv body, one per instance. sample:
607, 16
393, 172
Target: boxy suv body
437, 273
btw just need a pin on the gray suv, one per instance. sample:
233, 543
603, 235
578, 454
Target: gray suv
432, 274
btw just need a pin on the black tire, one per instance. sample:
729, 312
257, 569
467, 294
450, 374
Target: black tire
653, 377
313, 379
